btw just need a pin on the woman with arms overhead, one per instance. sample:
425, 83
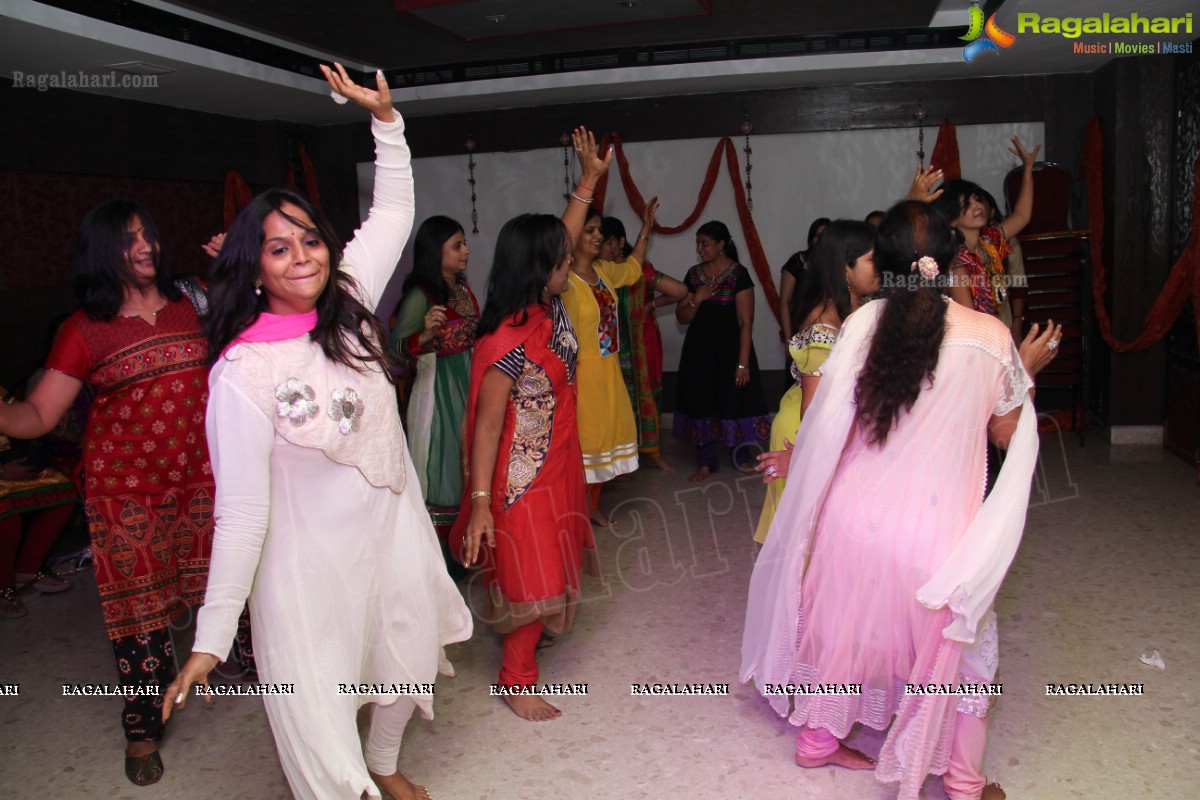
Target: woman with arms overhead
320, 517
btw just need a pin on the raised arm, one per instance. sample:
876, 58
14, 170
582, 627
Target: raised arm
372, 254
1023, 208
594, 167
643, 239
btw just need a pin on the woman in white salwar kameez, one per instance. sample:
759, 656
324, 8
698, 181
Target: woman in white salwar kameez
320, 520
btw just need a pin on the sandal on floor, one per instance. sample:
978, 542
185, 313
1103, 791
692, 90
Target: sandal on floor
992, 792
547, 640
43, 581
144, 770
11, 606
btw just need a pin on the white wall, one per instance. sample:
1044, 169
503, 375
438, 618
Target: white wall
796, 178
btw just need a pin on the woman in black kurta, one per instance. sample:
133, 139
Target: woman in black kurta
719, 397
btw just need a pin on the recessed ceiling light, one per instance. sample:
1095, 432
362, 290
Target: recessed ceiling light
496, 18
627, 3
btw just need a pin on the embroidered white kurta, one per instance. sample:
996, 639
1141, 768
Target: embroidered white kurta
321, 523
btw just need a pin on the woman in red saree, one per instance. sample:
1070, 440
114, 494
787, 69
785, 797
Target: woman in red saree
148, 488
525, 514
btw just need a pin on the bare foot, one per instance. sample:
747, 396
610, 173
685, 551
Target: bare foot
700, 475
601, 519
531, 708
662, 464
992, 792
140, 749
842, 757
399, 787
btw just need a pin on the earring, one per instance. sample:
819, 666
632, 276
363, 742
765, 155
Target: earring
258, 288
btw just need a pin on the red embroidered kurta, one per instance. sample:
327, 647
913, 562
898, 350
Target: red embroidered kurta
148, 486
544, 537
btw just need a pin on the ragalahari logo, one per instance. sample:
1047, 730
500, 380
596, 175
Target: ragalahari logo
996, 38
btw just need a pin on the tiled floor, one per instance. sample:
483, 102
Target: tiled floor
1108, 570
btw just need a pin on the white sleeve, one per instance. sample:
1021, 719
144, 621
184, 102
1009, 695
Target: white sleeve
240, 439
372, 255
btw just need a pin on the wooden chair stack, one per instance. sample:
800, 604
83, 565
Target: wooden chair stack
1058, 273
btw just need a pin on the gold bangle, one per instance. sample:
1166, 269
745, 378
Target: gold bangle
481, 493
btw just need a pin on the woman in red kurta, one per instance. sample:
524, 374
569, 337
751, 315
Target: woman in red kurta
148, 487
524, 515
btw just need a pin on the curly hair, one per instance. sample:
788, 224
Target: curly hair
904, 348
347, 331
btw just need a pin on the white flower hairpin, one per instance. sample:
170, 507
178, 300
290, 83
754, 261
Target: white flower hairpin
927, 266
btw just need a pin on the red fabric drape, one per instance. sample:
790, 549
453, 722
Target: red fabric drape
1184, 279
945, 151
758, 258
237, 195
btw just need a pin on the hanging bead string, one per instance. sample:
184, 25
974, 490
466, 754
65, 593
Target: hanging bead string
565, 141
747, 129
920, 117
470, 145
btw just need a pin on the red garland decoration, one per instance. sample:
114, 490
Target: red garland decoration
945, 151
310, 177
1185, 274
237, 196
758, 258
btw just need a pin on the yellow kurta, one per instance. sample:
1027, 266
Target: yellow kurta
809, 348
607, 427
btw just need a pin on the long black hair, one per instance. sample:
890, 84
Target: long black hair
717, 231
528, 250
427, 259
101, 267
842, 244
347, 331
904, 349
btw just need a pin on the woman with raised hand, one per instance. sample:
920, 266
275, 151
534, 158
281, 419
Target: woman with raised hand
607, 426
841, 273
525, 513
320, 517
148, 486
883, 559
977, 274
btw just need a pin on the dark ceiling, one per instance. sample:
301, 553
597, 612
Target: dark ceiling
375, 33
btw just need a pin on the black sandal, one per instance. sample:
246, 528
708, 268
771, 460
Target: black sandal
144, 770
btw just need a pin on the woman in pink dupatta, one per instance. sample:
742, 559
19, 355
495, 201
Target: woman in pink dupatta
883, 561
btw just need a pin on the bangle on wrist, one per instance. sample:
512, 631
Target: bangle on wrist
481, 493
585, 200
742, 366
643, 236
581, 186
